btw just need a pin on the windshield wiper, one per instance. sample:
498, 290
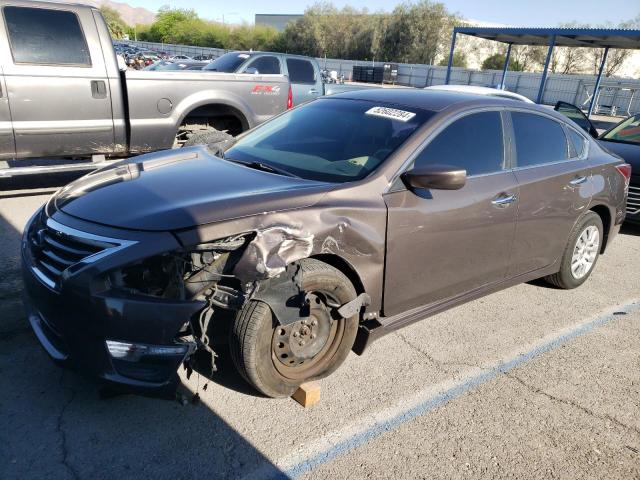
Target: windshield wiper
264, 167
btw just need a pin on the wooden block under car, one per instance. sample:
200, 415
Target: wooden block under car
307, 394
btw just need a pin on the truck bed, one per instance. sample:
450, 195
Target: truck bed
158, 101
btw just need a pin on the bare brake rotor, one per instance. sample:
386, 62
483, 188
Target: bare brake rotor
301, 341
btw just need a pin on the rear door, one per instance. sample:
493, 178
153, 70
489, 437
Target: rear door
56, 81
444, 243
304, 83
555, 188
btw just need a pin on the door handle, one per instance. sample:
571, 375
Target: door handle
98, 89
577, 181
313, 91
503, 200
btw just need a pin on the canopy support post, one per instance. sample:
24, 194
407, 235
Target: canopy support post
450, 64
597, 87
543, 80
506, 66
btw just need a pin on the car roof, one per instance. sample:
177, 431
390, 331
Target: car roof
479, 90
259, 52
433, 100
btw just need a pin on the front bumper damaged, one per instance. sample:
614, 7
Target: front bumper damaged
125, 340
136, 308
76, 332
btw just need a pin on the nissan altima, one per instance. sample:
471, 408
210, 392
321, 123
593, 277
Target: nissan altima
314, 234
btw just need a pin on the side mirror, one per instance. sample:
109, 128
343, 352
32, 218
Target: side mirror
252, 71
437, 177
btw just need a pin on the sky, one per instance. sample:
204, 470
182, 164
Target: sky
508, 12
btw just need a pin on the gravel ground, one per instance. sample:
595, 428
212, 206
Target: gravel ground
531, 382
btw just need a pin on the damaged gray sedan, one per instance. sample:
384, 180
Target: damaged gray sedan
314, 234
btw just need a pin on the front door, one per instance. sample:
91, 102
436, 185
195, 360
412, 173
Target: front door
7, 145
574, 113
56, 81
555, 188
444, 243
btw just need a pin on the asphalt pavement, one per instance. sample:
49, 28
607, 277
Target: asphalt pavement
531, 382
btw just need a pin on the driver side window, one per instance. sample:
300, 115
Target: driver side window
474, 142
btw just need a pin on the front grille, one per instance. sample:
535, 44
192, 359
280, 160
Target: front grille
633, 200
54, 250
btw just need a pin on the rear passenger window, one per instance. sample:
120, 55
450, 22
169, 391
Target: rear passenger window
42, 36
577, 142
266, 65
539, 140
300, 71
474, 142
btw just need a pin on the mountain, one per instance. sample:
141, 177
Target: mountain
130, 15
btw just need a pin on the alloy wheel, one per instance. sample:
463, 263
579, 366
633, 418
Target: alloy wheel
585, 252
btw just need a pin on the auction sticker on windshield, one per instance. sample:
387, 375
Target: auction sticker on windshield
392, 113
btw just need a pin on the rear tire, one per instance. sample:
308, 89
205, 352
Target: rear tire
581, 253
214, 139
263, 350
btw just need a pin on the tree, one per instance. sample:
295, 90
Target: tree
182, 26
116, 25
615, 60
246, 37
496, 62
459, 60
139, 32
414, 32
167, 21
526, 58
418, 33
568, 60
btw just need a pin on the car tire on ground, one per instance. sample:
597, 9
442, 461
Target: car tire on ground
581, 253
211, 137
264, 352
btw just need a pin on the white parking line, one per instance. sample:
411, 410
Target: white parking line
371, 426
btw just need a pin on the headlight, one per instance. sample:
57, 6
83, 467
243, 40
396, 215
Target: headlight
182, 274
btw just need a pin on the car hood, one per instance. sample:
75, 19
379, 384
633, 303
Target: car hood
628, 151
179, 189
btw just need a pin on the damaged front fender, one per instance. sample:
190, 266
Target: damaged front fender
271, 250
354, 236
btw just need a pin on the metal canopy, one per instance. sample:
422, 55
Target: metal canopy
565, 37
604, 38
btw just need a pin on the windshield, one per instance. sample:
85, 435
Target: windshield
627, 131
228, 63
334, 140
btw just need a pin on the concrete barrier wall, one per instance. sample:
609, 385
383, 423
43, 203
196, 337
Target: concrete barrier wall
623, 94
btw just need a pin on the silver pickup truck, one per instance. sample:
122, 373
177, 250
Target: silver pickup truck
303, 72
63, 94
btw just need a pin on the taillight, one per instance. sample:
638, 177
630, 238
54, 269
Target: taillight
290, 98
625, 171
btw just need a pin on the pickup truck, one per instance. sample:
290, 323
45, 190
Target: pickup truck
64, 97
303, 72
